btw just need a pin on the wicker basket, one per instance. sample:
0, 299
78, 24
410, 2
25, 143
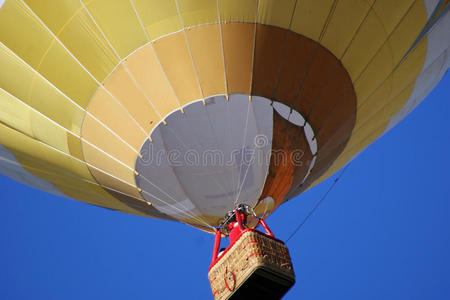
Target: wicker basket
255, 265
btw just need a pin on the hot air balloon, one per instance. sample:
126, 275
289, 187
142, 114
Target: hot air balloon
182, 109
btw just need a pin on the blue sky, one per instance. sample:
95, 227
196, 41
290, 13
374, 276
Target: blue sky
382, 233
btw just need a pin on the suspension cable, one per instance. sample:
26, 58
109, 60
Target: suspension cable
318, 203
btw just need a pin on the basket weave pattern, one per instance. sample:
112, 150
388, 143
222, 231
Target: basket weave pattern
251, 251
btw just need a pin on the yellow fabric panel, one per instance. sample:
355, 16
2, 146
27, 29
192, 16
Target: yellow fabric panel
22, 33
365, 45
115, 117
408, 30
120, 24
68, 75
375, 74
125, 91
106, 170
410, 68
35, 45
380, 22
55, 106
71, 187
73, 26
396, 88
238, 10
347, 155
15, 114
109, 147
276, 12
19, 84
377, 99
310, 16
146, 69
86, 42
55, 14
198, 12
50, 134
177, 63
380, 116
68, 175
44, 97
238, 43
374, 115
343, 25
378, 110
370, 131
390, 13
206, 47
159, 17
391, 52
404, 75
35, 150
74, 145
117, 184
85, 191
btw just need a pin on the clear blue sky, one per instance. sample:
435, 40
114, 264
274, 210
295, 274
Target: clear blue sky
382, 233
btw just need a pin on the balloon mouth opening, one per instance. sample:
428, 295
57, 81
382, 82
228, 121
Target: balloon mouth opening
203, 159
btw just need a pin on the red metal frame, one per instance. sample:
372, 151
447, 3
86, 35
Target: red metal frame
236, 231
216, 246
266, 228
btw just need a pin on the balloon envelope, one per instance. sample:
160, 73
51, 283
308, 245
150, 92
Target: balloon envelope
181, 109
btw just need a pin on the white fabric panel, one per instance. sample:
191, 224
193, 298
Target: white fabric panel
2, 2
438, 39
313, 162
263, 141
312, 141
430, 5
282, 109
425, 83
296, 118
180, 210
217, 157
162, 187
11, 168
435, 65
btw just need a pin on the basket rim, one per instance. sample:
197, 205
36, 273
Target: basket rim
232, 245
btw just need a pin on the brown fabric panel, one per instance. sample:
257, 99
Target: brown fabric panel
326, 97
339, 121
238, 41
321, 166
338, 94
268, 54
284, 175
298, 52
322, 66
337, 139
332, 148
